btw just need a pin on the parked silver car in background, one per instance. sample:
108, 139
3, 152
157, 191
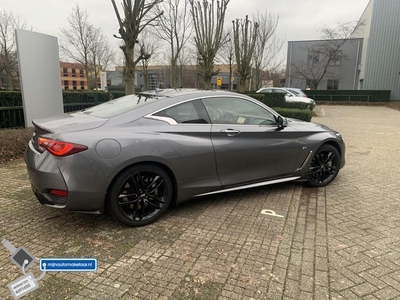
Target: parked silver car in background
138, 154
291, 94
296, 91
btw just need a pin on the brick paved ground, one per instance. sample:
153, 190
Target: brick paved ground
338, 242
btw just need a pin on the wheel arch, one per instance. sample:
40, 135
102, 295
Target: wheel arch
334, 144
154, 163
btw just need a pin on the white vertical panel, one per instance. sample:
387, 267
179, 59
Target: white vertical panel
383, 54
39, 71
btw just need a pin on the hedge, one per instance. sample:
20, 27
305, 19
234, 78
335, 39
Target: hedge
277, 100
295, 113
12, 98
349, 95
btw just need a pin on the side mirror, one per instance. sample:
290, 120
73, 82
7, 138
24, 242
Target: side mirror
280, 122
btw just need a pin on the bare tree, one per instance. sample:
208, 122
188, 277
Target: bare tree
8, 51
226, 55
149, 44
266, 50
244, 35
77, 38
325, 53
136, 18
85, 44
277, 75
174, 27
187, 68
100, 55
208, 20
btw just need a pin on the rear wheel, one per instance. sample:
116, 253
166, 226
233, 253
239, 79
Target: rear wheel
140, 195
324, 166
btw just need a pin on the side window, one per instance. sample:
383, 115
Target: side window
237, 111
183, 113
280, 91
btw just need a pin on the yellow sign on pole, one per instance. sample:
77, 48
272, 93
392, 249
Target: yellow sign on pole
219, 81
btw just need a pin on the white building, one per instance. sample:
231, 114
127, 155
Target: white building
380, 59
371, 60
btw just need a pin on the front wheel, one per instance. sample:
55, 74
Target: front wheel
140, 195
324, 166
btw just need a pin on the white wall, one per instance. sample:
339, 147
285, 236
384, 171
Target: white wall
39, 71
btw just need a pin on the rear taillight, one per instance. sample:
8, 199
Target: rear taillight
59, 193
60, 148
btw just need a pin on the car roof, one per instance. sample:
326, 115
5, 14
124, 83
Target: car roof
174, 93
173, 96
170, 97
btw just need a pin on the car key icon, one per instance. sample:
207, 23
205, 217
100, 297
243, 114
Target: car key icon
19, 256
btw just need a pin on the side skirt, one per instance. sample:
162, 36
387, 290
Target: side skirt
250, 186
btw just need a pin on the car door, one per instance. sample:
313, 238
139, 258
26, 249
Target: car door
191, 157
248, 144
282, 91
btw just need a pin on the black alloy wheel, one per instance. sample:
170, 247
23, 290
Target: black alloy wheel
140, 195
324, 166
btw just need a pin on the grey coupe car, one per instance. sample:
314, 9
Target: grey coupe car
137, 154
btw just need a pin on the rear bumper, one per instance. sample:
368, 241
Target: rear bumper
47, 172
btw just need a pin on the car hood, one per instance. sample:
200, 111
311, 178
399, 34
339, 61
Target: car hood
307, 126
69, 122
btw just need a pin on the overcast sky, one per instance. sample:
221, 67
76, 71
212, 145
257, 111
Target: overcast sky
298, 19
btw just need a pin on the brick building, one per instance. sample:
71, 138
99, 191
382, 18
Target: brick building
73, 76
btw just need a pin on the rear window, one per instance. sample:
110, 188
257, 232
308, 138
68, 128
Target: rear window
118, 106
294, 92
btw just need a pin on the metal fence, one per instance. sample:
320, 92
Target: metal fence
362, 98
12, 115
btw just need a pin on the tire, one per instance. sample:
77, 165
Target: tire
324, 166
140, 195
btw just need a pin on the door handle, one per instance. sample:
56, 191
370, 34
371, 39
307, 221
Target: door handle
230, 132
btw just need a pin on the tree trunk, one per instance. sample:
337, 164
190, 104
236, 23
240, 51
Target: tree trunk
129, 72
208, 72
230, 77
207, 84
174, 74
242, 84
129, 80
9, 79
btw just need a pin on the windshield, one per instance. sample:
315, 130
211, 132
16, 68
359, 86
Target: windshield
118, 106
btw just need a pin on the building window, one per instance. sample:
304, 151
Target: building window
332, 84
80, 72
74, 85
313, 59
73, 72
336, 58
82, 85
65, 72
66, 86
